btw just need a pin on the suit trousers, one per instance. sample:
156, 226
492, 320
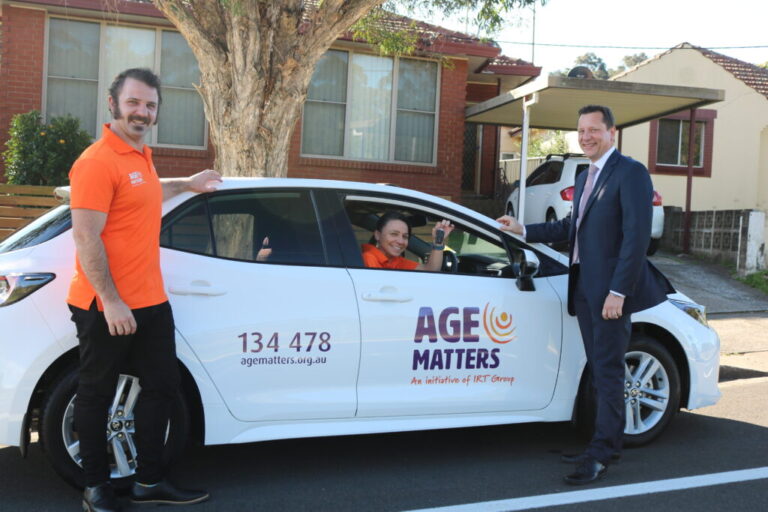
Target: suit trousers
605, 344
151, 353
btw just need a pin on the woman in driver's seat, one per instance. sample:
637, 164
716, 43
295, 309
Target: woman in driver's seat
392, 234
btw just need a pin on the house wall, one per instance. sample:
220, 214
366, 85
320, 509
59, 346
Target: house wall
738, 178
442, 179
21, 76
21, 72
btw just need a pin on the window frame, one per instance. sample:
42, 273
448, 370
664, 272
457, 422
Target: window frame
101, 116
706, 116
393, 115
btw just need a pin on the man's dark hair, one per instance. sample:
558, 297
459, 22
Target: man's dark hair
608, 118
142, 75
390, 216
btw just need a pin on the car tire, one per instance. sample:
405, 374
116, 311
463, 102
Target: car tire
656, 399
653, 246
510, 210
58, 436
551, 216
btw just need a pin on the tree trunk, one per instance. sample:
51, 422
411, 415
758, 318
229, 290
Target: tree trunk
256, 60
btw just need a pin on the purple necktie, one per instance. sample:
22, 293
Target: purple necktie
582, 203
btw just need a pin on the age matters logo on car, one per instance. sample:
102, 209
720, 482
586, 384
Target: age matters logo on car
459, 326
498, 328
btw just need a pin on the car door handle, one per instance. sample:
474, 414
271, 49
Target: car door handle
386, 294
203, 288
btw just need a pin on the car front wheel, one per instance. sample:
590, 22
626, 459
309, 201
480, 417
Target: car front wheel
651, 392
60, 441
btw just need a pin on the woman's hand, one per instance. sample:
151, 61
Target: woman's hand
446, 226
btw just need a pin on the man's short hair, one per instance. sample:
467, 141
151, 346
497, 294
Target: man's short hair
608, 118
144, 75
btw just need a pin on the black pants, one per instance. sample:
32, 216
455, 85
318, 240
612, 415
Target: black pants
605, 344
151, 353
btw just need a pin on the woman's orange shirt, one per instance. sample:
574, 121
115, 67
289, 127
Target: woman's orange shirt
374, 258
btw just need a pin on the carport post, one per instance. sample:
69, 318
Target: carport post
689, 183
528, 101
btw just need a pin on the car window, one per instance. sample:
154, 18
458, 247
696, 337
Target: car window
189, 229
47, 226
536, 175
551, 174
473, 252
257, 226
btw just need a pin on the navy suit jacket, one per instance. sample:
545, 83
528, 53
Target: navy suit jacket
613, 237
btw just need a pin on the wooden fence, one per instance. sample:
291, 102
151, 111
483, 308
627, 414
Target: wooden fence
20, 204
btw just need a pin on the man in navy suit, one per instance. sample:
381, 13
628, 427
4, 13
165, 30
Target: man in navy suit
609, 279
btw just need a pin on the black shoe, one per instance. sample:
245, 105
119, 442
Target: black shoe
167, 493
100, 498
589, 470
575, 458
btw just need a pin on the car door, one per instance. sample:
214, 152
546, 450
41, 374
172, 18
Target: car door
254, 294
442, 342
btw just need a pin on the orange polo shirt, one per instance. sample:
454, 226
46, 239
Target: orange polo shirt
374, 258
112, 177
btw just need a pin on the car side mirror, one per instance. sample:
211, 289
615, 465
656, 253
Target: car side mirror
528, 266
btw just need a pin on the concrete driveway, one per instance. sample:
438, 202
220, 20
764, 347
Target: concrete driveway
710, 285
739, 313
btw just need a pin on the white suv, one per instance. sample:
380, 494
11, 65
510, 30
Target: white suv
549, 194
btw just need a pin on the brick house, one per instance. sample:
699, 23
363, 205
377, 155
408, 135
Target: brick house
58, 56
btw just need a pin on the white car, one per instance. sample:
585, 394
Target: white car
311, 343
549, 194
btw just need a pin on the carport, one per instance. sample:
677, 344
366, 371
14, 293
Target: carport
551, 102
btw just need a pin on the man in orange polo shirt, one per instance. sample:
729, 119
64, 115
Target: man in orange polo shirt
117, 297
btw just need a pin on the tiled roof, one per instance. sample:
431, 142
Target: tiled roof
754, 76
433, 38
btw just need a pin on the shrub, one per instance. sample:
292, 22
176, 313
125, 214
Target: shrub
42, 154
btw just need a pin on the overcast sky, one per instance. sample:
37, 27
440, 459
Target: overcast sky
654, 25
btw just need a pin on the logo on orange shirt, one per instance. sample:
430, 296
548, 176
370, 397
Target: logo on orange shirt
136, 178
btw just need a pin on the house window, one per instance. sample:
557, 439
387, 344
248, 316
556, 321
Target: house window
367, 107
669, 143
84, 57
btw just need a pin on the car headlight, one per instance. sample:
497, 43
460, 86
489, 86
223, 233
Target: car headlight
14, 287
695, 311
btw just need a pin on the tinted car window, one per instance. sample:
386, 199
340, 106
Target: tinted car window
552, 173
536, 175
189, 229
264, 226
42, 229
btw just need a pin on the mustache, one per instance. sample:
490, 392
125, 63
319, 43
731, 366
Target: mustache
144, 119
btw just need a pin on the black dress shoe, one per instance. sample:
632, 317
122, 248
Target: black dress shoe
575, 458
100, 498
167, 493
589, 470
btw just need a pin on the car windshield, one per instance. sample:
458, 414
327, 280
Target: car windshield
42, 229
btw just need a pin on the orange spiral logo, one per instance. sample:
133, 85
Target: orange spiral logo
499, 328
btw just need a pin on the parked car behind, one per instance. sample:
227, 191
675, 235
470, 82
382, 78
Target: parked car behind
549, 194
309, 342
